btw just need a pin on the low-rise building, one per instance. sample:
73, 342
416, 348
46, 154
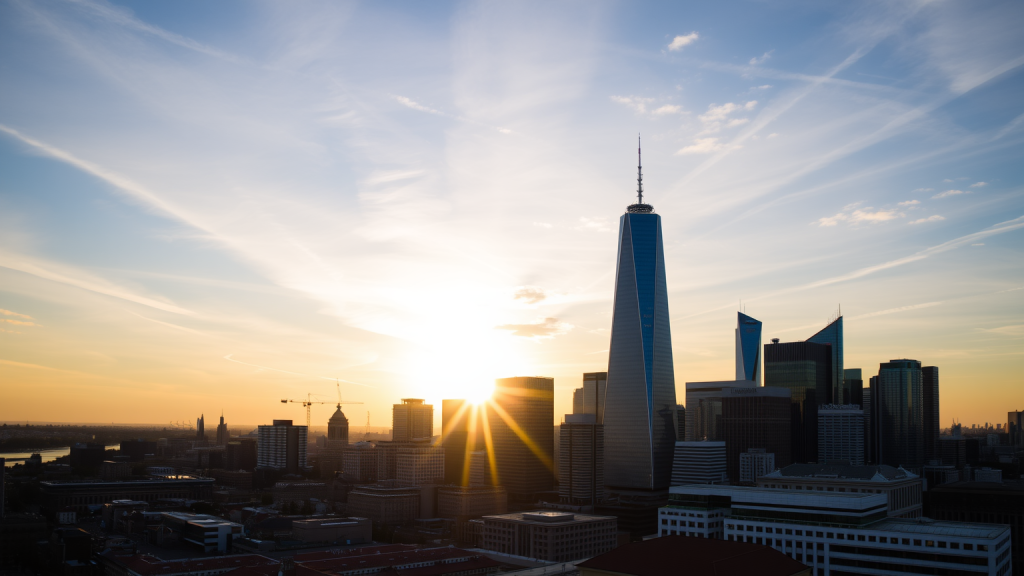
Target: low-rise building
385, 503
211, 533
464, 502
901, 488
754, 463
333, 530
548, 535
841, 533
56, 496
982, 502
693, 557
110, 470
115, 562
700, 462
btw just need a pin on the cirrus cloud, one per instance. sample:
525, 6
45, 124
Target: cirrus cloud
544, 328
932, 218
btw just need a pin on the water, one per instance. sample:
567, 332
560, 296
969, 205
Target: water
49, 454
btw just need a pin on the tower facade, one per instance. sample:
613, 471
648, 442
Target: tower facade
412, 419
641, 396
900, 414
748, 348
520, 420
222, 432
832, 336
930, 419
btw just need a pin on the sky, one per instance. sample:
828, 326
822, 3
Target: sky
211, 206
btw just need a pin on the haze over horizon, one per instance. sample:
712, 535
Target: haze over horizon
207, 206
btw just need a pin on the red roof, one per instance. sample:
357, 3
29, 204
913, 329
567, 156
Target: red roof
695, 557
146, 565
383, 560
342, 552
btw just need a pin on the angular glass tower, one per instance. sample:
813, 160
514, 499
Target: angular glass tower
640, 401
748, 348
833, 336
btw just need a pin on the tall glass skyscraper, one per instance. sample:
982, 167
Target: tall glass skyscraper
748, 348
641, 395
833, 336
900, 414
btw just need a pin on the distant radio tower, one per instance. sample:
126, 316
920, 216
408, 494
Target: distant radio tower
367, 423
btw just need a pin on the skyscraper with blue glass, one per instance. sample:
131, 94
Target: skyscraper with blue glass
832, 335
748, 348
640, 400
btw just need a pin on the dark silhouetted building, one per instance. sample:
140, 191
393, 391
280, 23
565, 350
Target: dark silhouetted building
998, 503
222, 432
412, 419
901, 414
581, 460
201, 428
520, 418
590, 398
704, 407
870, 407
692, 556
87, 455
853, 381
805, 368
80, 496
755, 418
549, 535
461, 436
930, 416
240, 454
841, 434
332, 456
1015, 429
640, 402
136, 450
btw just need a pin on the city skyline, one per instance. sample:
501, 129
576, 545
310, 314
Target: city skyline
196, 213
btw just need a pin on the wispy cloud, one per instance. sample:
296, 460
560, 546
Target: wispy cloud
530, 294
949, 193
704, 146
979, 184
598, 224
545, 328
923, 190
636, 103
680, 42
932, 218
894, 310
910, 203
856, 216
761, 59
17, 322
1011, 330
15, 314
668, 109
416, 105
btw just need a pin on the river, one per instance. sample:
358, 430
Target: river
49, 454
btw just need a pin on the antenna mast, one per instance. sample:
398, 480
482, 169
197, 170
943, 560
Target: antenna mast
639, 173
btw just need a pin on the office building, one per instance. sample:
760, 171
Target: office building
1001, 503
841, 434
465, 502
699, 463
461, 436
111, 471
930, 413
639, 437
693, 557
222, 432
241, 454
680, 422
359, 462
87, 455
870, 408
838, 533
412, 419
748, 348
79, 496
704, 407
137, 449
900, 414
333, 530
590, 398
420, 465
520, 417
755, 418
550, 536
281, 446
581, 460
902, 489
988, 475
755, 463
385, 503
805, 368
1015, 429
853, 381
332, 456
210, 533
832, 336
201, 428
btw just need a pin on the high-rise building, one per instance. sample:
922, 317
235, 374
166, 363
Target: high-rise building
870, 397
748, 348
581, 460
930, 417
332, 457
1015, 428
641, 396
901, 414
699, 463
359, 462
412, 419
805, 368
853, 381
222, 432
281, 446
832, 336
841, 434
704, 404
755, 463
420, 464
519, 418
201, 428
755, 418
680, 422
590, 398
462, 437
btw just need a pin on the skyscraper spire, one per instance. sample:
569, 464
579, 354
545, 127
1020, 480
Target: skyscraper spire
639, 173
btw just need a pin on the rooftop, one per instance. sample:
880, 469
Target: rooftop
147, 565
879, 473
941, 528
548, 517
700, 556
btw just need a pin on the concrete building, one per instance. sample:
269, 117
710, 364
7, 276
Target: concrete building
857, 538
333, 530
692, 557
79, 496
755, 463
704, 408
841, 434
282, 446
385, 503
988, 475
210, 533
1001, 503
755, 418
412, 419
581, 460
332, 456
550, 536
419, 465
1015, 428
111, 471
902, 489
360, 462
464, 502
590, 398
520, 417
699, 463
930, 416
240, 454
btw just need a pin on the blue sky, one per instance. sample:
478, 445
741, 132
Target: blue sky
224, 204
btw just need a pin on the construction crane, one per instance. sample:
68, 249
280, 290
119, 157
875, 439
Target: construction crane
308, 403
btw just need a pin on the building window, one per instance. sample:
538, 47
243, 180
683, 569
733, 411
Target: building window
954, 545
942, 544
929, 543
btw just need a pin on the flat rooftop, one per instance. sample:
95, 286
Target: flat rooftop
548, 517
927, 526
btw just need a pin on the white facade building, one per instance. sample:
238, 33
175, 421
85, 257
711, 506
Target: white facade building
699, 463
754, 463
902, 489
841, 434
420, 465
837, 533
281, 446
